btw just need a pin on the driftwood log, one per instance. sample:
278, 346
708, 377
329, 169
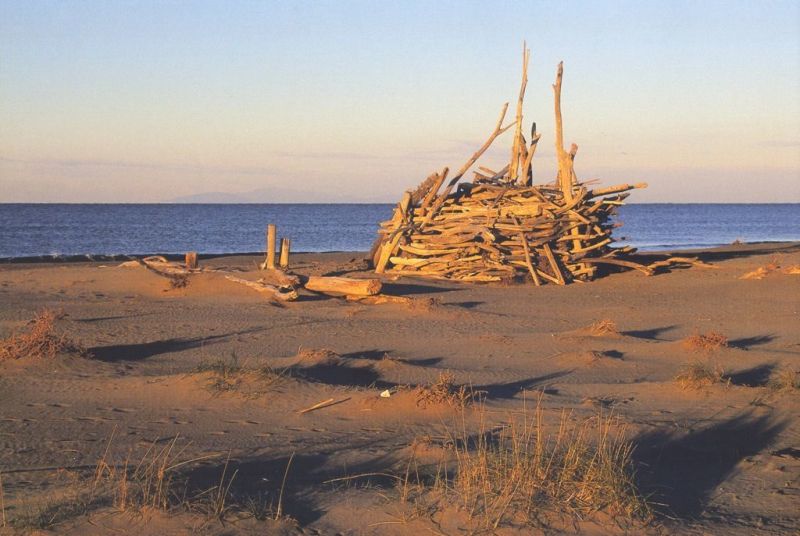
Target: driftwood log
270, 291
279, 278
343, 285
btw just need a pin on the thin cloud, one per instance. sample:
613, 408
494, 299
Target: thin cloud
332, 155
124, 164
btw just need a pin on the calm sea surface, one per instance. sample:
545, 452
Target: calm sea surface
56, 229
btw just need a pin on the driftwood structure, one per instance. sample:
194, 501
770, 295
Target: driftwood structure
275, 284
501, 226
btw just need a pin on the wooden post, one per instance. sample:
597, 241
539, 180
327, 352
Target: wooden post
526, 177
567, 179
285, 245
564, 161
191, 260
271, 246
519, 145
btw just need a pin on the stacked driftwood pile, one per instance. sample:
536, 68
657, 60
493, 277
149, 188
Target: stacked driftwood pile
501, 226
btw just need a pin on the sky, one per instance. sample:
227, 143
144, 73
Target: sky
347, 101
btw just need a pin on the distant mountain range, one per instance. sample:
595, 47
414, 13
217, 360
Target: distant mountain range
269, 195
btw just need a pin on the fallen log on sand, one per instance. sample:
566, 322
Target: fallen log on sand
343, 285
279, 278
264, 288
378, 299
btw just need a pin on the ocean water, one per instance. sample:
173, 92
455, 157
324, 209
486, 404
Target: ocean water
28, 230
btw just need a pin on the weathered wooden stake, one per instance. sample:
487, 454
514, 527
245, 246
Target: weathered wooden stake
271, 246
518, 144
564, 162
191, 260
285, 245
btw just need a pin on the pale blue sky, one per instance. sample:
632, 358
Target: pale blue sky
147, 101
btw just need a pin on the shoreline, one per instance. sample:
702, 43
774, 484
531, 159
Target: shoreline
743, 247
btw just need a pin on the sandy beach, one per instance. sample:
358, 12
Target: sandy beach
718, 459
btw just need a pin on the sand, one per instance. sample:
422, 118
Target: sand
722, 459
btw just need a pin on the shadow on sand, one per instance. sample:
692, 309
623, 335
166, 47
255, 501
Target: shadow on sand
140, 351
681, 472
724, 253
511, 389
651, 334
757, 376
261, 479
747, 342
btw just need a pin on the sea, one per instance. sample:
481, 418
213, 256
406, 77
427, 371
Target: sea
67, 230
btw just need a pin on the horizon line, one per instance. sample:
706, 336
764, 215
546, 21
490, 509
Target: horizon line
359, 203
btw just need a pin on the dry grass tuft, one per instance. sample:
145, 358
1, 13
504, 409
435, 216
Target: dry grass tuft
759, 273
228, 376
762, 271
706, 342
603, 328
318, 356
178, 281
444, 391
224, 374
425, 304
785, 381
148, 483
697, 375
42, 341
600, 328
157, 480
520, 474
